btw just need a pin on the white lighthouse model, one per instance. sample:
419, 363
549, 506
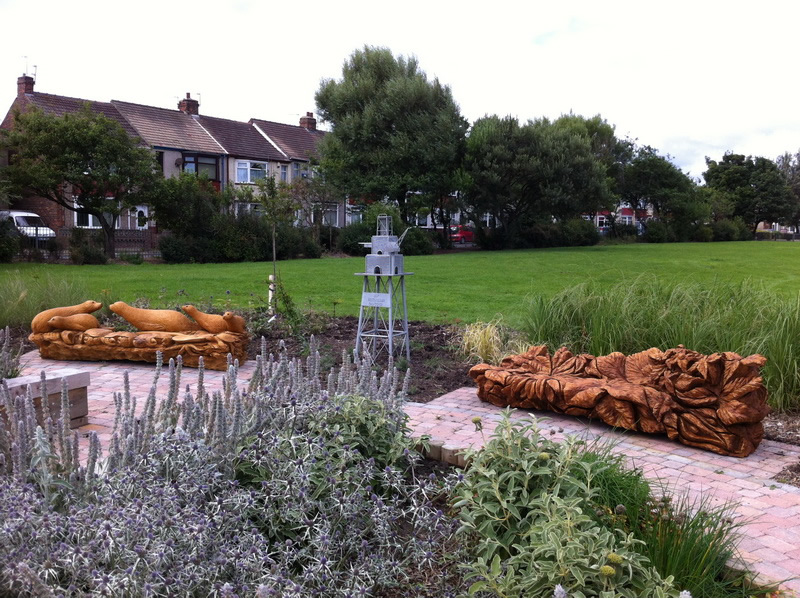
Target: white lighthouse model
383, 320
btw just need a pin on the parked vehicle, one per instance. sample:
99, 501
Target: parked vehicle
29, 225
461, 234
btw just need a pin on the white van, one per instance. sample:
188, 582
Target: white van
28, 224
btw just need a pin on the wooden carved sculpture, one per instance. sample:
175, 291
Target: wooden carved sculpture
715, 402
40, 323
70, 333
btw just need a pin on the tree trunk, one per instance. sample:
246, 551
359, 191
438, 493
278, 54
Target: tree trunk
109, 239
445, 221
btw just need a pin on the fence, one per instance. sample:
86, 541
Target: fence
37, 245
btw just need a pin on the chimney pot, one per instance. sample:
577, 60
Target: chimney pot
189, 105
309, 122
25, 85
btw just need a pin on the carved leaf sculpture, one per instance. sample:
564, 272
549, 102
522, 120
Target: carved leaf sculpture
715, 402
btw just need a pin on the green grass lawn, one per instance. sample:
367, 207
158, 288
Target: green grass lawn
466, 286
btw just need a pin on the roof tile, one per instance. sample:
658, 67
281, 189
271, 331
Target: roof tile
167, 128
297, 142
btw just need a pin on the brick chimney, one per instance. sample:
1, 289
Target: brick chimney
189, 105
25, 85
309, 122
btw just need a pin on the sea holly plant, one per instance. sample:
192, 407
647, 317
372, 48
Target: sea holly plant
297, 484
9, 358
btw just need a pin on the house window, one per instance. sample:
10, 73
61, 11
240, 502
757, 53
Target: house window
295, 171
248, 171
331, 216
84, 219
355, 216
202, 165
602, 221
284, 173
626, 220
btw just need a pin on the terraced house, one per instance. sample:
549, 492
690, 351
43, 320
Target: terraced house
228, 152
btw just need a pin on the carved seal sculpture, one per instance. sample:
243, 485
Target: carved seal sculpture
235, 323
715, 402
145, 319
80, 322
208, 322
40, 323
71, 335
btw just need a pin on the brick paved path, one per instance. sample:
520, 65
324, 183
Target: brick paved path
771, 537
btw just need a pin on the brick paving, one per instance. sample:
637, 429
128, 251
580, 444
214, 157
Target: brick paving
770, 543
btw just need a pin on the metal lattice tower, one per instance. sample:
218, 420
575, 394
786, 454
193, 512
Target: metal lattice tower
383, 318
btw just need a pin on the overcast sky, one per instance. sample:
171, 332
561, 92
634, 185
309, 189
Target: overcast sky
692, 79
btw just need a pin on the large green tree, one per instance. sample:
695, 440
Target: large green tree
393, 131
789, 165
519, 174
652, 179
755, 186
82, 161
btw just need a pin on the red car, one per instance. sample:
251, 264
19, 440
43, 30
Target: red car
461, 234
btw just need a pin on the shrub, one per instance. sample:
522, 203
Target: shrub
701, 233
247, 237
176, 249
524, 497
328, 237
86, 247
416, 243
9, 241
725, 230
658, 232
351, 235
133, 258
231, 494
580, 232
624, 231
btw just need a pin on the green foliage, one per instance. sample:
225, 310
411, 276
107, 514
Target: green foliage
101, 166
659, 232
9, 241
187, 205
714, 317
701, 233
580, 232
237, 238
525, 500
366, 426
24, 294
756, 187
650, 178
524, 174
394, 131
692, 542
133, 258
85, 247
416, 243
351, 235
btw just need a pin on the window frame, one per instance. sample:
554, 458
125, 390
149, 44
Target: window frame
248, 164
193, 158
